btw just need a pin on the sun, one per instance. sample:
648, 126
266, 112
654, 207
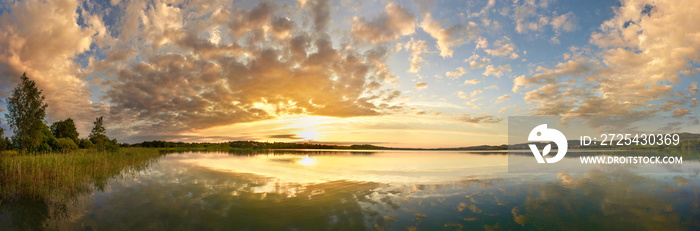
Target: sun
308, 134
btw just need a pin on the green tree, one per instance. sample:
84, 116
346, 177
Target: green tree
98, 131
25, 115
4, 144
100, 139
65, 129
48, 142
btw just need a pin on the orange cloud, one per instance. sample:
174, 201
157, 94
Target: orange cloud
395, 21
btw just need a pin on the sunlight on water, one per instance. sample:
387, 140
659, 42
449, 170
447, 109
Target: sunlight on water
383, 167
306, 161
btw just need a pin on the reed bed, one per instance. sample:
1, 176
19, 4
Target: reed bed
58, 176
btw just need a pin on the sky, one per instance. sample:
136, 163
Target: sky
390, 73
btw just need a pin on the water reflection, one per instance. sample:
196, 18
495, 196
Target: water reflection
380, 191
382, 167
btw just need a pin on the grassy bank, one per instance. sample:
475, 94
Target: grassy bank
58, 176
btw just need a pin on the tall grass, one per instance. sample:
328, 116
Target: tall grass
57, 176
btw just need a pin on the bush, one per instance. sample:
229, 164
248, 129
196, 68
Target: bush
48, 143
4, 144
65, 145
103, 143
43, 148
85, 144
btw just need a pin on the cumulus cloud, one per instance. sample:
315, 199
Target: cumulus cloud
421, 85
163, 69
394, 22
526, 16
680, 112
457, 73
481, 42
534, 16
579, 67
186, 91
471, 81
475, 61
484, 11
629, 70
464, 95
43, 39
321, 13
497, 71
417, 49
693, 88
450, 37
564, 22
504, 48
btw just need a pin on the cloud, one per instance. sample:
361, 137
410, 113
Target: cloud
531, 16
694, 102
421, 85
504, 48
447, 38
285, 136
578, 67
394, 22
456, 74
492, 87
479, 119
475, 61
484, 11
44, 39
526, 17
497, 71
417, 48
564, 22
629, 70
503, 97
464, 95
264, 65
693, 88
471, 81
680, 112
481, 42
320, 12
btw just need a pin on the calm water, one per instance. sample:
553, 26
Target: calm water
390, 190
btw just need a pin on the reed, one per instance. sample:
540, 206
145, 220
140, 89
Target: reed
59, 177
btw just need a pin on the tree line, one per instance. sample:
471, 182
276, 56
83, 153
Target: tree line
250, 145
26, 112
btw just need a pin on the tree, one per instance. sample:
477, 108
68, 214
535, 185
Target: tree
48, 142
4, 144
25, 115
98, 131
65, 129
100, 139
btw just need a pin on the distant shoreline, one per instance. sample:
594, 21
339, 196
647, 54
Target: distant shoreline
687, 141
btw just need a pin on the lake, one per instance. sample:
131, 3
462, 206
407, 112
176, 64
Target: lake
369, 190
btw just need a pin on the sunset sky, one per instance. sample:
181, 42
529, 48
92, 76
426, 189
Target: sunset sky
390, 73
